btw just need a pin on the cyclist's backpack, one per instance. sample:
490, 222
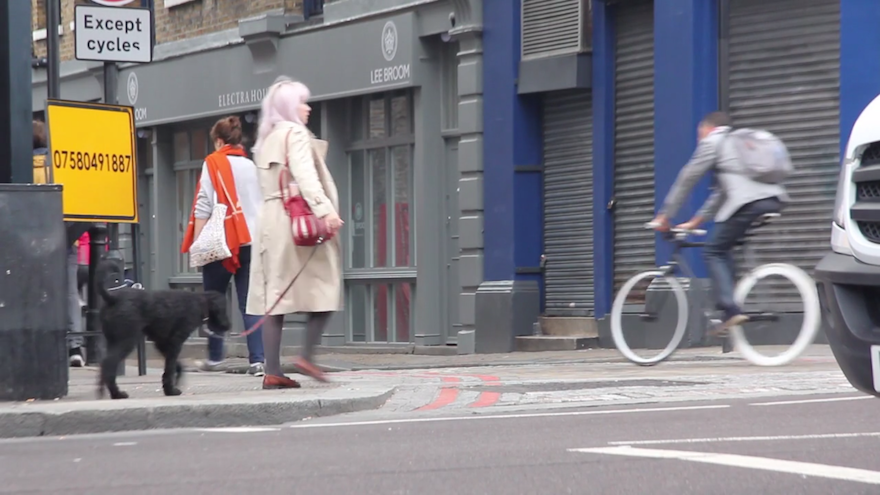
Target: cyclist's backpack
762, 155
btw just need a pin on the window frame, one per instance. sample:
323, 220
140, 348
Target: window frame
394, 278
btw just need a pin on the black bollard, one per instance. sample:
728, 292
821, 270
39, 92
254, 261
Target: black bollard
34, 309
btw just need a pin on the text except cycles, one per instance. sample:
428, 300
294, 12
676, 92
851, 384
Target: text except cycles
100, 162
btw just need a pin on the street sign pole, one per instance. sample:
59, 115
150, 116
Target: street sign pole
53, 49
114, 254
109, 34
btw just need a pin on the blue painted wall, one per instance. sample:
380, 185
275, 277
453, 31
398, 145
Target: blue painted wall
685, 90
513, 222
859, 61
603, 156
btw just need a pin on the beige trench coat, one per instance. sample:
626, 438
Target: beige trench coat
276, 259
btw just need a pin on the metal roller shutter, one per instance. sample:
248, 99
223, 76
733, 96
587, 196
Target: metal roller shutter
568, 203
633, 140
784, 77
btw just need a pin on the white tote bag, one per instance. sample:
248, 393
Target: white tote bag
211, 246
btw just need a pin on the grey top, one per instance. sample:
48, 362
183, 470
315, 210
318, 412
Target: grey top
732, 188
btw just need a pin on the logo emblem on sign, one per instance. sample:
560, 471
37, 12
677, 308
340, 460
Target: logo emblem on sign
132, 88
358, 212
112, 3
389, 41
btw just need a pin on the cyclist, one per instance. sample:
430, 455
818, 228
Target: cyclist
735, 203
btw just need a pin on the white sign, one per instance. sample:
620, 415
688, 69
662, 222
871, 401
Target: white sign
175, 3
113, 3
393, 73
109, 34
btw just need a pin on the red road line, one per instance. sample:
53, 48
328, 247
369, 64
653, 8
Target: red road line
487, 399
447, 395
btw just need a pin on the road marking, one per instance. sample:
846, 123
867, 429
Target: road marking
447, 395
508, 416
811, 401
487, 399
750, 462
124, 444
749, 439
239, 429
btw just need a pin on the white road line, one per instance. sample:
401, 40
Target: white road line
750, 462
506, 416
749, 439
239, 429
124, 444
811, 401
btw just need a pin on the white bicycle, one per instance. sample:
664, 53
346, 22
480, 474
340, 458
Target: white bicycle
664, 282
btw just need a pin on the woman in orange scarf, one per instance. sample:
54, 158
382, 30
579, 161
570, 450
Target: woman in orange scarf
230, 178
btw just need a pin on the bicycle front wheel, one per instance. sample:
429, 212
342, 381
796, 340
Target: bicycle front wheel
806, 287
617, 308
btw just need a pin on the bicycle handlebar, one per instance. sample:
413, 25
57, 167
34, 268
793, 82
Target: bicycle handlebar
679, 233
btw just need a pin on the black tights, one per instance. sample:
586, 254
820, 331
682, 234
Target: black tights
272, 339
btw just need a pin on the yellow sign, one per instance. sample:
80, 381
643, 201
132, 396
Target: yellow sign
93, 152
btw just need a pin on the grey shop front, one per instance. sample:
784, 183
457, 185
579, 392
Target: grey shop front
384, 95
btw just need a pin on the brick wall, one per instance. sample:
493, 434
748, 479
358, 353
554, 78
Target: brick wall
207, 16
194, 18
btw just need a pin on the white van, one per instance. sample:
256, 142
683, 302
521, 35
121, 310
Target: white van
848, 278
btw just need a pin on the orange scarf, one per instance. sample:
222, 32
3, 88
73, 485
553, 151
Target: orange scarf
237, 233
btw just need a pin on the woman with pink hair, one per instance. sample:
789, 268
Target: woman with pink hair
284, 141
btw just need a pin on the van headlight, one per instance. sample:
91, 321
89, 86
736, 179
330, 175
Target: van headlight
842, 202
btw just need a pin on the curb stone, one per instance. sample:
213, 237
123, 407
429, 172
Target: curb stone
78, 418
331, 368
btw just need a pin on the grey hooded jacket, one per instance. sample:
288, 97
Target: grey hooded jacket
732, 188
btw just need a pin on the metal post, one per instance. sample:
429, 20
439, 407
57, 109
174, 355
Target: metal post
97, 242
15, 81
111, 73
142, 342
53, 48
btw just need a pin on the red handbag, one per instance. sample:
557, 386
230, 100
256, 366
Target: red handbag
306, 228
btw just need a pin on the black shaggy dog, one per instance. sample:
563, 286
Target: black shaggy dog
166, 317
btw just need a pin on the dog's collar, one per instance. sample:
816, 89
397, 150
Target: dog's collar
126, 285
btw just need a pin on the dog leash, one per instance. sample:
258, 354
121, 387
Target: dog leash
262, 320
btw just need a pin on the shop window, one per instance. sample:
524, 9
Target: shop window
380, 232
381, 312
190, 148
449, 84
381, 185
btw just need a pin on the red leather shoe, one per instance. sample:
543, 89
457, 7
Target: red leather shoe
272, 382
309, 369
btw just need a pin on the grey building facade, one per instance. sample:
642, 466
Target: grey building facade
395, 90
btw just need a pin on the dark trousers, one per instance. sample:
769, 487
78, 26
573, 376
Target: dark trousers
718, 250
216, 277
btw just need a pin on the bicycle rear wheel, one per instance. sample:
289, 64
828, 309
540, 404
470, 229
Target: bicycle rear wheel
617, 318
806, 287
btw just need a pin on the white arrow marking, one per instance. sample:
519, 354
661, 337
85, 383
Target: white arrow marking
749, 462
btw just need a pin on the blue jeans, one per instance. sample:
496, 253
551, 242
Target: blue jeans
74, 319
717, 252
216, 277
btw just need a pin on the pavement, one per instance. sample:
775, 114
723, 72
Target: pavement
363, 358
383, 386
809, 445
209, 400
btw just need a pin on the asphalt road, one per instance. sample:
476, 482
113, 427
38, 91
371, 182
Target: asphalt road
747, 446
